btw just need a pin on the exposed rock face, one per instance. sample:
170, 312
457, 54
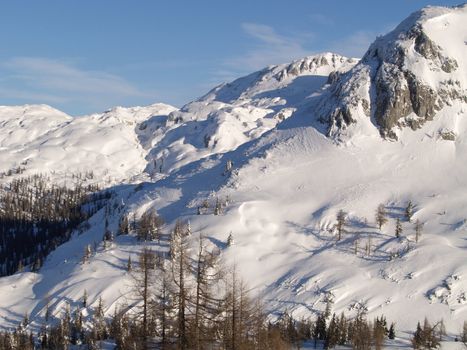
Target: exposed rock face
428, 49
447, 135
393, 96
313, 64
388, 84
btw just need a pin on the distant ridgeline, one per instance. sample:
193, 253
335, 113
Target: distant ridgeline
37, 215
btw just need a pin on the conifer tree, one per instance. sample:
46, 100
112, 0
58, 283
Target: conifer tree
332, 333
418, 230
87, 253
85, 299
123, 227
180, 265
341, 221
381, 216
409, 211
164, 305
464, 333
379, 332
129, 264
218, 207
319, 332
144, 277
392, 331
343, 328
230, 240
98, 322
398, 230
204, 303
361, 333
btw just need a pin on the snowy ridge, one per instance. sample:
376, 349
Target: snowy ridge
41, 139
234, 113
133, 144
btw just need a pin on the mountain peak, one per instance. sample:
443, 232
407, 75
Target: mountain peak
405, 78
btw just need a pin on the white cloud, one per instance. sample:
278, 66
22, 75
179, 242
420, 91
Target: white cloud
264, 33
354, 45
36, 79
270, 48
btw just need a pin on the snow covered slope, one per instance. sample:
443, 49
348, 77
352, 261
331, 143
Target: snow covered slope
241, 111
289, 181
41, 139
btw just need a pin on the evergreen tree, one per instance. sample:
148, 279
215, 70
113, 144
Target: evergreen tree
319, 332
180, 266
218, 207
426, 337
379, 332
123, 227
87, 253
418, 230
392, 331
230, 240
77, 331
85, 299
99, 325
343, 329
341, 221
149, 227
164, 305
332, 333
203, 303
409, 211
47, 309
398, 230
381, 216
361, 332
129, 264
145, 277
464, 333
417, 337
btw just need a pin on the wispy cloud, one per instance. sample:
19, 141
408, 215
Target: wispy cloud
355, 44
37, 79
270, 47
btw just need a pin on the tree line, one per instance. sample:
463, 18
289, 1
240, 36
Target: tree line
36, 217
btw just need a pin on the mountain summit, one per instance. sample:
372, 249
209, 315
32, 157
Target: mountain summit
405, 78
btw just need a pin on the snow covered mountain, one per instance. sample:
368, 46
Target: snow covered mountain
41, 139
290, 178
130, 144
405, 78
235, 113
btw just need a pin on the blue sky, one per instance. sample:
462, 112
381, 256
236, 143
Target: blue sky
89, 55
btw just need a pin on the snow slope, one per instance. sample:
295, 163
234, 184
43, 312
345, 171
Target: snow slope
289, 181
42, 139
234, 113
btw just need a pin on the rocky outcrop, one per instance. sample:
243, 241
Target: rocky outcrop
313, 64
428, 49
